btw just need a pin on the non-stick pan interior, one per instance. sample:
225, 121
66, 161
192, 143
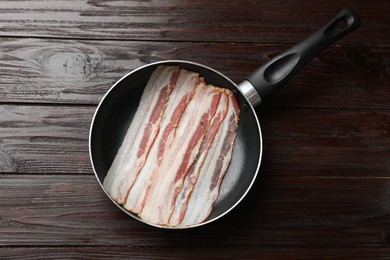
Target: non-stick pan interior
116, 111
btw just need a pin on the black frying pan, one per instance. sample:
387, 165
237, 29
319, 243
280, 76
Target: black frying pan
116, 110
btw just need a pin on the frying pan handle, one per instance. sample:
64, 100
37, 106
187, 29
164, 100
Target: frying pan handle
269, 78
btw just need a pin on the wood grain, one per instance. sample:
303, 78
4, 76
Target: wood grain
42, 139
269, 253
74, 211
300, 142
178, 20
80, 72
326, 142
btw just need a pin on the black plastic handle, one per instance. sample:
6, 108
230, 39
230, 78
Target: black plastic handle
270, 77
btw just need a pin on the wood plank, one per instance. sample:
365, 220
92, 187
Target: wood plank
279, 211
325, 142
44, 139
269, 253
178, 20
300, 142
80, 72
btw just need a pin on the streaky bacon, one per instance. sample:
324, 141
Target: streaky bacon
192, 176
213, 170
141, 133
184, 149
177, 103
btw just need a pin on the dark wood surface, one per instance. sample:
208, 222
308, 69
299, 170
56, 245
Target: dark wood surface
323, 190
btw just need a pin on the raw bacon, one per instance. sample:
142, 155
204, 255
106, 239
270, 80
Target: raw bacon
178, 100
188, 185
215, 165
185, 148
176, 151
131, 156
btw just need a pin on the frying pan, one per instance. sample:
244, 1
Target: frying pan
116, 110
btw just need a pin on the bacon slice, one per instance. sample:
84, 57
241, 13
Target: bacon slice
140, 136
177, 162
213, 170
188, 185
178, 101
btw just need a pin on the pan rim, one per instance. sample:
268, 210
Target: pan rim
250, 106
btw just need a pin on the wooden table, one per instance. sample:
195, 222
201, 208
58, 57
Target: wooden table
324, 185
